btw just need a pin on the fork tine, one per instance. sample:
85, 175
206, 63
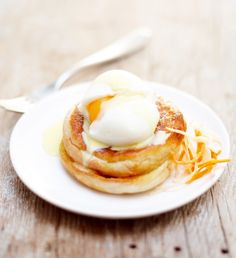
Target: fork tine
20, 104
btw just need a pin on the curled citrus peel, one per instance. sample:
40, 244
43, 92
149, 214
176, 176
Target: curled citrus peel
197, 161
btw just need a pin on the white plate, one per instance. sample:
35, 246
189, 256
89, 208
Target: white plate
45, 176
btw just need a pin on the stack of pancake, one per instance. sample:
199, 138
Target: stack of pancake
132, 166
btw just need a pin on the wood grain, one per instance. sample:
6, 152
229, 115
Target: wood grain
193, 49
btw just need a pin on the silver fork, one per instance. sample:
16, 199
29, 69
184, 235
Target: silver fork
128, 45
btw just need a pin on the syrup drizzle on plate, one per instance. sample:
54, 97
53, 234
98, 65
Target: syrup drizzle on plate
52, 137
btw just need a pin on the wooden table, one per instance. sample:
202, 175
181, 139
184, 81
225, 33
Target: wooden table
193, 49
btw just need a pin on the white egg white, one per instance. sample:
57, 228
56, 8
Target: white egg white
125, 120
129, 118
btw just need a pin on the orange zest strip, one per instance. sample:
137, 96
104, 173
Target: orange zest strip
190, 153
213, 162
178, 157
199, 174
181, 155
94, 107
200, 151
215, 154
197, 132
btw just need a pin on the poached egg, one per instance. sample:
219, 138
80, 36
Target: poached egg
119, 111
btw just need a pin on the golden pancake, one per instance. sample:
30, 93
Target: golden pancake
123, 163
128, 185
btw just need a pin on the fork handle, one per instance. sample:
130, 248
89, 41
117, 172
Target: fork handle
132, 43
